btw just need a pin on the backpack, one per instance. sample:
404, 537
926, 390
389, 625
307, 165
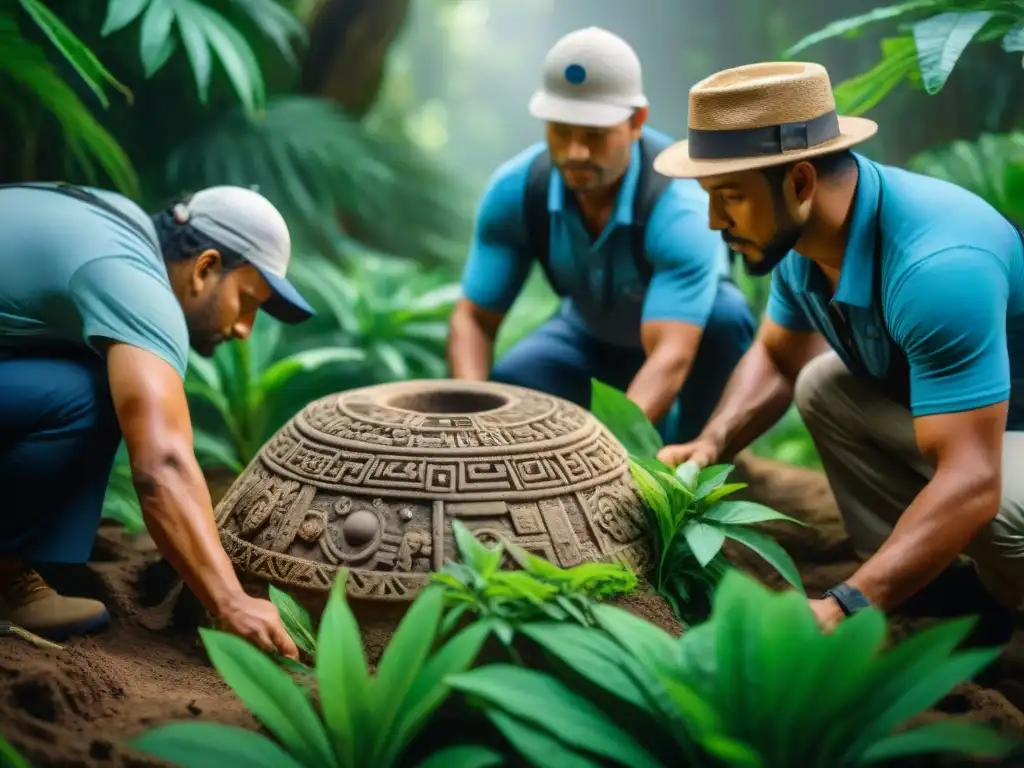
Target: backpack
649, 187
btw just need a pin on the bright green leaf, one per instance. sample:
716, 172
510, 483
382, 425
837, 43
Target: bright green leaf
625, 420
271, 695
704, 540
464, 756
121, 13
212, 745
847, 25
744, 513
941, 39
767, 548
943, 737
296, 620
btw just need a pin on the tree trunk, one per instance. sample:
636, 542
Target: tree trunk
348, 47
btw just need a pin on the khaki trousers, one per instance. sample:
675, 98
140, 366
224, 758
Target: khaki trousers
867, 445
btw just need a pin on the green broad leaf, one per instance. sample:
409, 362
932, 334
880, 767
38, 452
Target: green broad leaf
154, 33
236, 57
474, 553
625, 420
430, 688
941, 40
543, 702
464, 756
712, 477
211, 745
278, 24
744, 513
403, 661
121, 13
296, 620
9, 756
271, 695
213, 451
538, 747
767, 548
593, 655
688, 474
343, 679
722, 491
641, 638
705, 541
74, 50
862, 93
1013, 41
943, 737
305, 362
855, 23
652, 492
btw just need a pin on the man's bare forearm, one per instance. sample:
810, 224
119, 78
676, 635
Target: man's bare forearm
178, 513
657, 383
470, 346
756, 397
948, 513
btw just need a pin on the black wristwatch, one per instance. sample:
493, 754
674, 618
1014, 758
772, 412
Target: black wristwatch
849, 598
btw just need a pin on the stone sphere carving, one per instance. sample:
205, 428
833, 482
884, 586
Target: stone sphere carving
370, 480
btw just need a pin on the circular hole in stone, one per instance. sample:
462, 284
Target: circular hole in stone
448, 401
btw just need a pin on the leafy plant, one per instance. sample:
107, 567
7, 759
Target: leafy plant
689, 512
394, 310
364, 721
738, 690
121, 504
245, 385
10, 757
28, 67
991, 166
939, 34
507, 599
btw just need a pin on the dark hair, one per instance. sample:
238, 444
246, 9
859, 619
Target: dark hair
828, 166
182, 242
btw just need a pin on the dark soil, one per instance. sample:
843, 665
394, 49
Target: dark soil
79, 707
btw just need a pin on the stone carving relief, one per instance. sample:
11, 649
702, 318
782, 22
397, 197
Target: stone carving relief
370, 479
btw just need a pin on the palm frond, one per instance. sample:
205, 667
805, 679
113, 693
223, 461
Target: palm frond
27, 65
207, 32
328, 173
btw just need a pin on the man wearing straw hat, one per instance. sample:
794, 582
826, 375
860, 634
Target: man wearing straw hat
646, 306
914, 290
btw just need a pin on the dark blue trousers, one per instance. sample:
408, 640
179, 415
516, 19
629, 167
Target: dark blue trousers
58, 438
560, 357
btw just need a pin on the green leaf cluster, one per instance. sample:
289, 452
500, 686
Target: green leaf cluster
362, 721
689, 512
477, 585
759, 684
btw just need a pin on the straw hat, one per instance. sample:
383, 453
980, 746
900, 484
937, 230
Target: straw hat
760, 115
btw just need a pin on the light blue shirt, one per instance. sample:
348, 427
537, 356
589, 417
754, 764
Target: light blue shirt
952, 291
71, 272
687, 257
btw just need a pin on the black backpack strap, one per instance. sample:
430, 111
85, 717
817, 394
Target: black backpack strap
84, 195
650, 185
537, 217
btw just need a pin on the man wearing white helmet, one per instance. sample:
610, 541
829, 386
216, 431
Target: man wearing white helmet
646, 304
99, 304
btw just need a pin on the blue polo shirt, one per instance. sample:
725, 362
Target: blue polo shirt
72, 273
952, 291
687, 257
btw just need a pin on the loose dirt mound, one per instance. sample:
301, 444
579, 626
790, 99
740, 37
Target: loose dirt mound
78, 707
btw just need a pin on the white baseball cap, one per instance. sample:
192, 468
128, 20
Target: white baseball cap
245, 222
591, 77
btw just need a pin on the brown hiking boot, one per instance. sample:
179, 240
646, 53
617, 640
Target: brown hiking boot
30, 603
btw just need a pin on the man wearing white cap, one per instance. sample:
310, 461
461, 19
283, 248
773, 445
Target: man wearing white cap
646, 308
917, 286
99, 304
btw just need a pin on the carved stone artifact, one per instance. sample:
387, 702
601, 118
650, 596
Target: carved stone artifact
370, 480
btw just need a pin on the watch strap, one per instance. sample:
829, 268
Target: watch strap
850, 599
